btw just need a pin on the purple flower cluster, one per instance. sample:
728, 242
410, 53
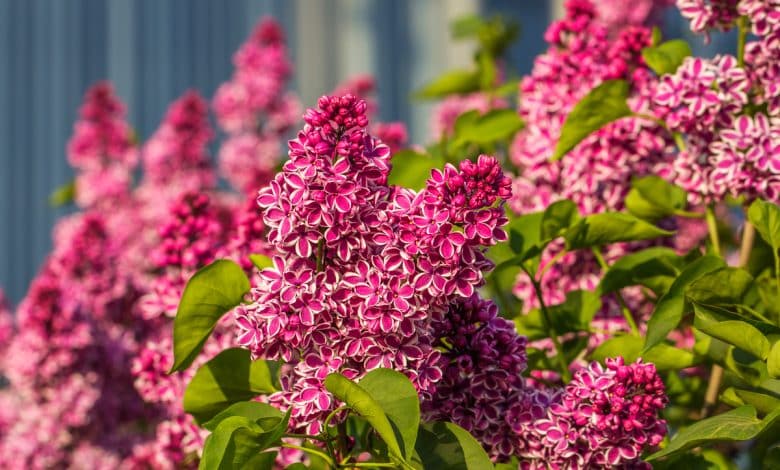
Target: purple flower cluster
393, 134
102, 148
67, 362
604, 418
484, 359
706, 15
597, 173
254, 110
360, 268
176, 157
727, 114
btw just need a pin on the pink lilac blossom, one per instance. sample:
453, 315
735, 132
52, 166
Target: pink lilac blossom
725, 153
484, 358
617, 14
706, 15
362, 268
102, 148
393, 134
176, 156
604, 418
253, 109
597, 173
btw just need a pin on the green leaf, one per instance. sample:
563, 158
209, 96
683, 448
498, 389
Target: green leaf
653, 198
671, 307
667, 56
573, 315
447, 445
628, 347
738, 333
63, 195
230, 377
255, 411
610, 227
524, 241
261, 261
237, 441
654, 267
475, 128
412, 169
210, 293
666, 357
558, 217
765, 216
740, 424
762, 402
724, 286
398, 399
604, 104
773, 361
361, 402
453, 82
466, 26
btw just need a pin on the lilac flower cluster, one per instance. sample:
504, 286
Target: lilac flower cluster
175, 158
727, 112
484, 359
361, 268
604, 418
89, 361
254, 110
393, 134
67, 362
707, 15
102, 148
597, 173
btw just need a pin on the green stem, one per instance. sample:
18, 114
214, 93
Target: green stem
550, 263
649, 117
688, 214
623, 306
371, 465
304, 436
503, 304
712, 228
547, 319
679, 141
742, 27
309, 450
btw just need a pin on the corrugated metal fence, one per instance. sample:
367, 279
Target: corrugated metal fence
153, 50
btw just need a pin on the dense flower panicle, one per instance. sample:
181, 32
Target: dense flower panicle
727, 153
596, 175
177, 155
706, 15
393, 134
102, 149
101, 136
189, 239
254, 110
360, 268
617, 14
483, 360
604, 418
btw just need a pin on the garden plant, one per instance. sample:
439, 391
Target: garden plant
581, 270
